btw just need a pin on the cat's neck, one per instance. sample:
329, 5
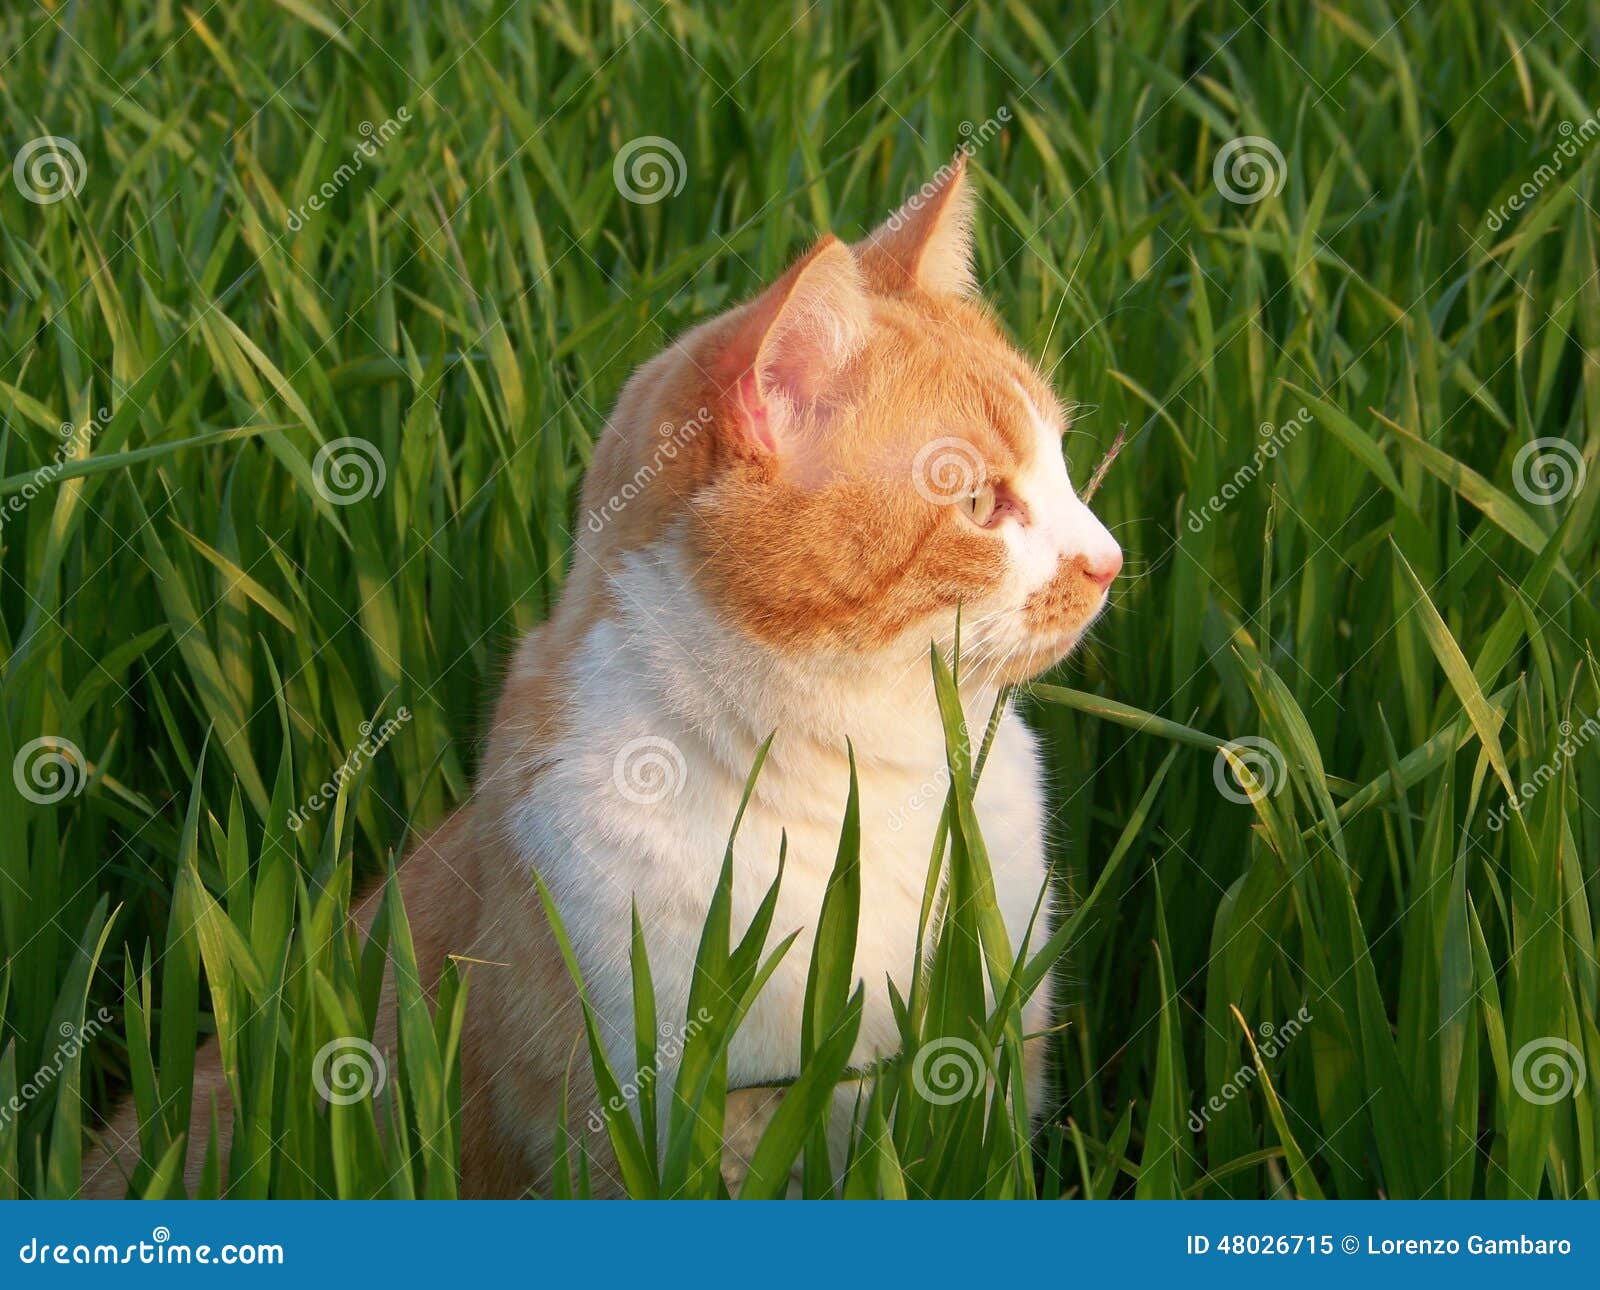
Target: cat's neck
710, 683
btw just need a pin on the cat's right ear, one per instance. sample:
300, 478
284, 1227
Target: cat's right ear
927, 243
786, 348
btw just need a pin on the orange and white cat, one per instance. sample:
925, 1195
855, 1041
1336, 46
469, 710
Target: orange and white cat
785, 507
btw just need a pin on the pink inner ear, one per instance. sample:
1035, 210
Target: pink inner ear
753, 408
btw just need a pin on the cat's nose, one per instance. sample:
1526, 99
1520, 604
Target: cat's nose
1101, 567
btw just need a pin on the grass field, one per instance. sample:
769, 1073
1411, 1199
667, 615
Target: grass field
1358, 360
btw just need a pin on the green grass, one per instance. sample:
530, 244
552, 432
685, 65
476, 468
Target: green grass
1377, 597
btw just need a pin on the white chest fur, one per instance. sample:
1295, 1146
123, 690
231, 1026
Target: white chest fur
641, 793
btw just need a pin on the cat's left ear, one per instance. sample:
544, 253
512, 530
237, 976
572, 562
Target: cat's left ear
784, 351
927, 243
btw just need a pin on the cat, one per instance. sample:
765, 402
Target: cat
786, 507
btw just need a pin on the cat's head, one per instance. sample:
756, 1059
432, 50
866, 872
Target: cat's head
855, 453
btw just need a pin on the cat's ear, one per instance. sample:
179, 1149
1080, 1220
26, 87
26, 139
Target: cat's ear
788, 345
927, 243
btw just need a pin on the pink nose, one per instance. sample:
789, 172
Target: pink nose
1102, 568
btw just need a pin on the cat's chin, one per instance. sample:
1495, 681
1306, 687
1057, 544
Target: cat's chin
1040, 656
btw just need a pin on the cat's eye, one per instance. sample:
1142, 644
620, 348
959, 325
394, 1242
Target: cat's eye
991, 503
982, 506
